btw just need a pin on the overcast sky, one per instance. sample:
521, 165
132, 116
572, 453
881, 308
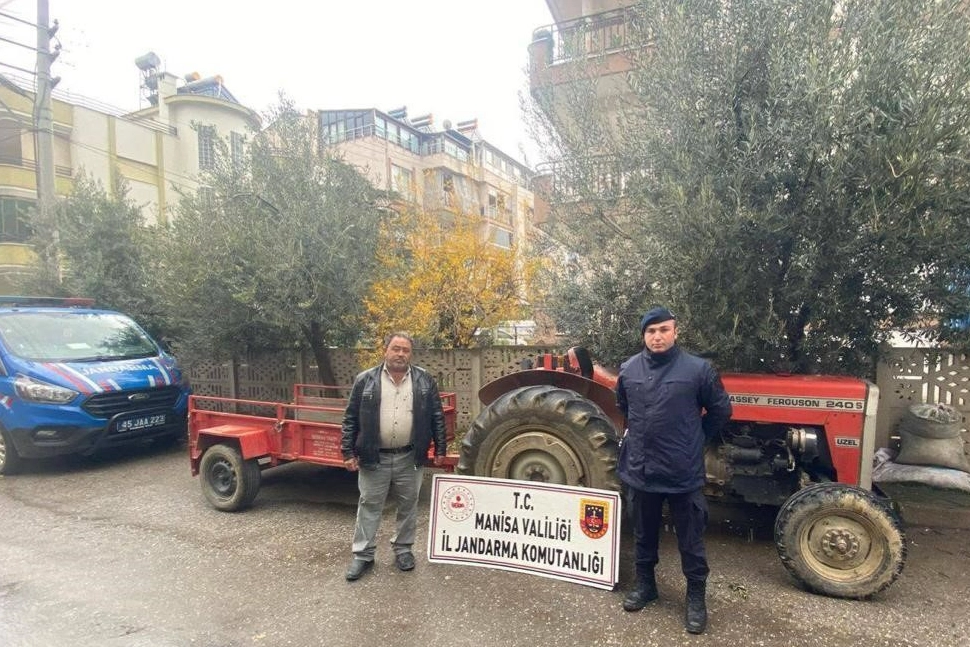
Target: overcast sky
457, 59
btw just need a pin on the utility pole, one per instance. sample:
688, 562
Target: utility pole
44, 132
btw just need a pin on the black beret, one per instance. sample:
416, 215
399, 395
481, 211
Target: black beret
655, 315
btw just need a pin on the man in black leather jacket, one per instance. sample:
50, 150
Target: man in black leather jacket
393, 415
672, 402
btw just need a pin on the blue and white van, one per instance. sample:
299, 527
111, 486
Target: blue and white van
74, 379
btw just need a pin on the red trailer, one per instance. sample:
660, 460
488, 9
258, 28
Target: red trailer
231, 440
801, 443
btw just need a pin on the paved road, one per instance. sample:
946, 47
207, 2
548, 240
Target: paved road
123, 551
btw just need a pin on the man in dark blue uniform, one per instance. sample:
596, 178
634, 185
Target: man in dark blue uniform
672, 402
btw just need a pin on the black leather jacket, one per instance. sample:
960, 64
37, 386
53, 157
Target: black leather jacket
361, 424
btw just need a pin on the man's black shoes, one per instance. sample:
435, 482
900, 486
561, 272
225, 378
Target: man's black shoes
357, 568
404, 561
695, 619
642, 594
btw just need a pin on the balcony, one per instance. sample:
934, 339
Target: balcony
599, 177
497, 214
599, 180
30, 165
592, 45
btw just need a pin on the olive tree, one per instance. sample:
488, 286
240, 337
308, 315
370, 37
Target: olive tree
791, 177
277, 249
96, 243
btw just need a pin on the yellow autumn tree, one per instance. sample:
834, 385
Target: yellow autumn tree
442, 281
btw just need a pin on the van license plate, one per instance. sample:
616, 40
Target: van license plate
140, 422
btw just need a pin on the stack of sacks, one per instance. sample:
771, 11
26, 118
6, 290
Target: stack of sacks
929, 434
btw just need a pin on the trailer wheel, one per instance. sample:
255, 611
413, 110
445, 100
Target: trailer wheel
9, 458
542, 433
229, 483
840, 540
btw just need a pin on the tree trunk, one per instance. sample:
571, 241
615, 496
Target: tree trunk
321, 353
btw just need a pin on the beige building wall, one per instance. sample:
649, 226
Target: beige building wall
488, 183
155, 150
91, 134
376, 156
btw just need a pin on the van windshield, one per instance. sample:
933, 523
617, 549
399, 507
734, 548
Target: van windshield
72, 336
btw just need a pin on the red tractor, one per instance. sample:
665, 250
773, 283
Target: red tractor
802, 443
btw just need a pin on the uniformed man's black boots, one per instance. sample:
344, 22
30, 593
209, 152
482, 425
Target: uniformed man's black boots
695, 620
643, 592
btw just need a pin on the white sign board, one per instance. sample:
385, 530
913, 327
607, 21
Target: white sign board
559, 531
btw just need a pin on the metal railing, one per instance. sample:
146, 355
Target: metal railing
369, 130
10, 160
596, 177
496, 214
427, 147
94, 105
585, 37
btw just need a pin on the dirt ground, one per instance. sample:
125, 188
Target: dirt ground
124, 551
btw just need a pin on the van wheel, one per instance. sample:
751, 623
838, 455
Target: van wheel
10, 460
229, 483
840, 540
542, 433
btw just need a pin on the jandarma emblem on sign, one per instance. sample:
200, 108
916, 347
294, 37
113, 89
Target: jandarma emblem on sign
592, 517
457, 503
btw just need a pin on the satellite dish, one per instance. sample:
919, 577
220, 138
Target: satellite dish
447, 124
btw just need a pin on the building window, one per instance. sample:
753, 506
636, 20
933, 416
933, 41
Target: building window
498, 207
14, 222
448, 186
207, 147
402, 181
207, 152
237, 148
456, 151
207, 197
10, 148
334, 133
501, 238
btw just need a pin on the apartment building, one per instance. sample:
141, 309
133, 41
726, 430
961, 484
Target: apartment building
450, 170
588, 39
157, 149
584, 53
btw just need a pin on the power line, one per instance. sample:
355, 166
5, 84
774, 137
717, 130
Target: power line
189, 181
90, 103
18, 19
102, 108
13, 42
19, 69
13, 87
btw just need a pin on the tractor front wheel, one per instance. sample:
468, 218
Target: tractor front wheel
229, 482
840, 540
542, 433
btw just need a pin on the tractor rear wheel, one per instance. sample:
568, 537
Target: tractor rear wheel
229, 482
840, 540
542, 433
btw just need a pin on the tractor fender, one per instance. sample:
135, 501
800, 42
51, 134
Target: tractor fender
600, 395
